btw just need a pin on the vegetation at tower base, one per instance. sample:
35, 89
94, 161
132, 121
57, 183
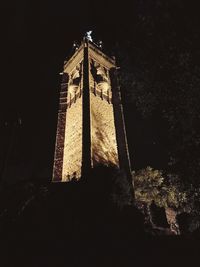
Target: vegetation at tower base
151, 186
152, 190
100, 204
77, 217
180, 202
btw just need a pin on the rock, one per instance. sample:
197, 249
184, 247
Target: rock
171, 219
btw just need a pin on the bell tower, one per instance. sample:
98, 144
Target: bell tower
90, 128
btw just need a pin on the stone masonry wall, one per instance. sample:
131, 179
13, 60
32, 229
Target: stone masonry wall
73, 142
104, 145
58, 160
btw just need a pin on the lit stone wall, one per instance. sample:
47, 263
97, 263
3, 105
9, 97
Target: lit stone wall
73, 142
58, 160
104, 145
68, 159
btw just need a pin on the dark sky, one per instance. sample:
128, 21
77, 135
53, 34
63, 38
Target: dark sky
36, 40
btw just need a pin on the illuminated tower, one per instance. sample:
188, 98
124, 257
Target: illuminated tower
90, 129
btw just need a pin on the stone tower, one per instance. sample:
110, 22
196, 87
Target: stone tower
90, 128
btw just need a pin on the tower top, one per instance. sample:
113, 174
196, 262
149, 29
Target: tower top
95, 53
88, 36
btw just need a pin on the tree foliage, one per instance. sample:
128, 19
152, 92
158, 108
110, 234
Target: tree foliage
160, 75
152, 186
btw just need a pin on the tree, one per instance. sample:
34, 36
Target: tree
160, 75
152, 186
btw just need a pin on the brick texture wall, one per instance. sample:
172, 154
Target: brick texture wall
104, 145
73, 141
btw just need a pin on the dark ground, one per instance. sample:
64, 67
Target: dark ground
78, 224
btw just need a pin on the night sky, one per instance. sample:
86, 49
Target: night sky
37, 39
